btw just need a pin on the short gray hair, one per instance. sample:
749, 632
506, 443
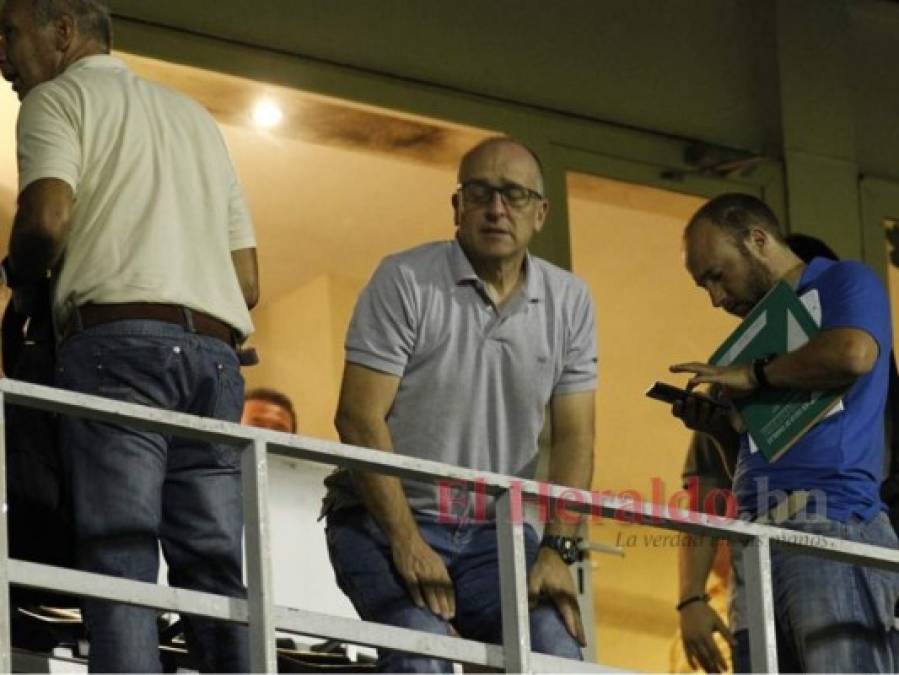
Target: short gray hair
92, 17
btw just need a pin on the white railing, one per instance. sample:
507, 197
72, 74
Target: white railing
264, 617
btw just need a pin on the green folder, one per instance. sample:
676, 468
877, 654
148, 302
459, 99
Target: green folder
775, 418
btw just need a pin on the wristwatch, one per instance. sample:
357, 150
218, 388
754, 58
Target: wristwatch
566, 547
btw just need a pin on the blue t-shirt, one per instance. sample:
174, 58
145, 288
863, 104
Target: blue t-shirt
841, 457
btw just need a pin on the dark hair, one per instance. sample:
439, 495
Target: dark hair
92, 17
808, 247
275, 397
495, 140
737, 213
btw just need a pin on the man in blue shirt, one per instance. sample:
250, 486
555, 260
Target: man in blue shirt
830, 616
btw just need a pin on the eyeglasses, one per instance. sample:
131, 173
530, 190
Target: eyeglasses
514, 195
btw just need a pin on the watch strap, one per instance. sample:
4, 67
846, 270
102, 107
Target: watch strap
758, 371
566, 547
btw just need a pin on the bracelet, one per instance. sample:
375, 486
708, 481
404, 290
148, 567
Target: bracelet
758, 370
693, 598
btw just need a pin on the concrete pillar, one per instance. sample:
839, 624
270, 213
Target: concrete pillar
813, 56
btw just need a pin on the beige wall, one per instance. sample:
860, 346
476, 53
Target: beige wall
299, 338
627, 246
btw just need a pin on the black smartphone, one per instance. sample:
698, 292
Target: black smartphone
669, 394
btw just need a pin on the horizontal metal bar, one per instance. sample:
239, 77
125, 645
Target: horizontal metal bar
842, 550
109, 410
288, 445
368, 633
302, 447
460, 650
826, 547
74, 582
358, 632
24, 661
544, 663
601, 547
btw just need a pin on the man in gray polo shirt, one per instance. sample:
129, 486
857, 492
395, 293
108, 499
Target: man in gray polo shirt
454, 350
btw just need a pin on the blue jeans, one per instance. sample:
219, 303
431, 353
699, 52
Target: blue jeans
364, 569
829, 616
132, 489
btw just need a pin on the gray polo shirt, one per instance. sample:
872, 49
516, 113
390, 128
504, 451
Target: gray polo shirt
475, 380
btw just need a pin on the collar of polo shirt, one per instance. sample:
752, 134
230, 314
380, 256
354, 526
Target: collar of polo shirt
463, 272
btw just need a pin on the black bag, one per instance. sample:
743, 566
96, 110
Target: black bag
40, 518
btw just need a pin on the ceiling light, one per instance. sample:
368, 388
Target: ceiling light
267, 114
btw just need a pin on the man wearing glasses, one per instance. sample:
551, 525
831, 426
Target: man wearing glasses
454, 351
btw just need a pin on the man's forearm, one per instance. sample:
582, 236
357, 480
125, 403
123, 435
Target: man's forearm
385, 499
382, 495
695, 558
831, 360
31, 254
247, 270
39, 229
571, 463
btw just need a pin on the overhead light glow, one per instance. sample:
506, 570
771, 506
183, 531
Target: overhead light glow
267, 114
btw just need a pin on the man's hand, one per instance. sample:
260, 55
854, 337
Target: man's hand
550, 577
698, 415
737, 380
698, 624
425, 576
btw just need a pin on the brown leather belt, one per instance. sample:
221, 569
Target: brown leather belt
91, 314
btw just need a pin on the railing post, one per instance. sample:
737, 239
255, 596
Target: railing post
5, 606
513, 582
760, 605
583, 573
260, 592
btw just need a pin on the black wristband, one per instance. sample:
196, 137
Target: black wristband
693, 598
566, 547
758, 370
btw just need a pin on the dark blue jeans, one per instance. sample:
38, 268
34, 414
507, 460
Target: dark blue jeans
132, 489
364, 569
829, 616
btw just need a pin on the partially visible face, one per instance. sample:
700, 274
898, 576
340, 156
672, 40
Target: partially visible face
734, 279
29, 56
266, 415
496, 230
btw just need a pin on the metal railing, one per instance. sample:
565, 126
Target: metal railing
264, 617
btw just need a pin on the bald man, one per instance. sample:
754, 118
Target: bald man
453, 353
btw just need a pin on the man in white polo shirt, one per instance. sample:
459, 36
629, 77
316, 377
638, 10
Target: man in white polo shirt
128, 197
454, 350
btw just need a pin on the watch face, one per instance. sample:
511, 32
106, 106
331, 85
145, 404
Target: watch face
565, 547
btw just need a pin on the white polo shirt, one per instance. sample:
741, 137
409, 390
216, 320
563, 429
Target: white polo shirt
158, 208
